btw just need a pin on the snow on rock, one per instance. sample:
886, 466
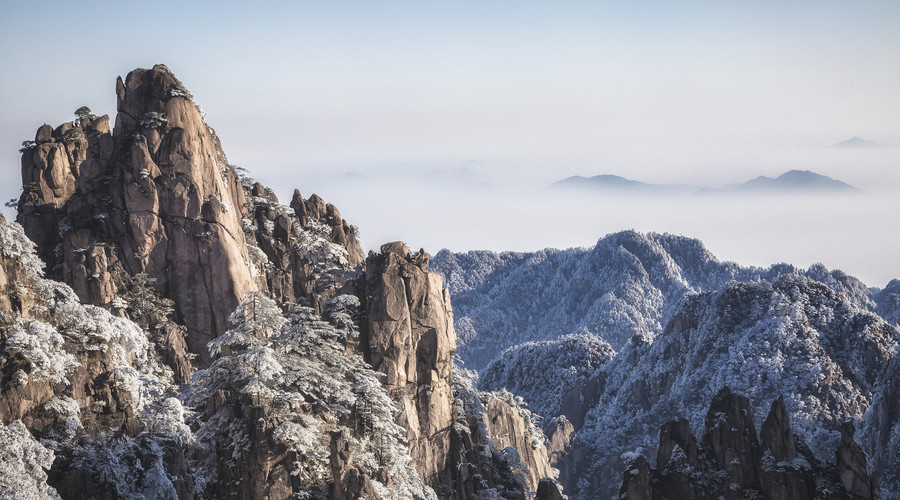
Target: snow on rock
554, 376
795, 337
270, 403
79, 373
628, 284
23, 464
682, 324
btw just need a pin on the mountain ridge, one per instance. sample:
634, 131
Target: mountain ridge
857, 142
790, 182
677, 325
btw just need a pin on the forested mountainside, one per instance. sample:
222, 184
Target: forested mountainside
659, 327
194, 338
628, 284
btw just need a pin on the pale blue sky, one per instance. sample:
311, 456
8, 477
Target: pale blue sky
518, 92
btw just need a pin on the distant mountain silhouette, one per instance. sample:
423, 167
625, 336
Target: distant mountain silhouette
857, 142
615, 183
794, 181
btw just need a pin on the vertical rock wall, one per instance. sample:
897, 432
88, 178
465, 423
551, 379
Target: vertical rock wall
181, 205
410, 338
507, 428
156, 195
153, 197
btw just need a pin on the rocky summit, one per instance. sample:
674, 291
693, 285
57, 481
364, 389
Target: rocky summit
168, 329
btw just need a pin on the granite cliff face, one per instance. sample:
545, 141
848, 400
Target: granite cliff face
151, 196
308, 370
411, 340
156, 196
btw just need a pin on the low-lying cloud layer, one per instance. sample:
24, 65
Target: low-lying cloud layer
473, 206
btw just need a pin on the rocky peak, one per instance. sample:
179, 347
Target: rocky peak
562, 435
153, 197
410, 338
731, 463
341, 232
637, 482
776, 435
731, 436
157, 197
852, 465
676, 433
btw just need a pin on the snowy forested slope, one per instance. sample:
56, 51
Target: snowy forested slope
662, 325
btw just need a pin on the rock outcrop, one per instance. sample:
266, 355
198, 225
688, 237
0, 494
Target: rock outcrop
548, 490
508, 428
79, 369
349, 482
459, 448
733, 464
315, 210
731, 438
479, 466
852, 465
152, 196
410, 338
561, 443
156, 196
299, 254
637, 482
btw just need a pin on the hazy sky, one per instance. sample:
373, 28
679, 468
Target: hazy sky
499, 99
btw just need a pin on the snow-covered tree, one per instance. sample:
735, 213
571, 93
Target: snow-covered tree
145, 304
70, 346
291, 372
256, 318
23, 464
